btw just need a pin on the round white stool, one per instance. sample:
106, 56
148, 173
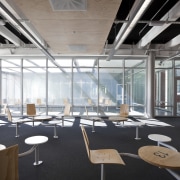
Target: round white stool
2, 147
36, 141
159, 138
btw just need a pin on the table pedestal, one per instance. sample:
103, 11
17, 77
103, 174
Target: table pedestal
55, 122
137, 124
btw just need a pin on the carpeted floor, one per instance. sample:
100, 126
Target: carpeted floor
65, 158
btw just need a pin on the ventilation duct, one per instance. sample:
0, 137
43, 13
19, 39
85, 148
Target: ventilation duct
68, 5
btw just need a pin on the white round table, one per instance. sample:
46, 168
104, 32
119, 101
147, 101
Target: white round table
36, 141
2, 147
159, 138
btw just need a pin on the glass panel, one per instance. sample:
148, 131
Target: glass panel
177, 63
177, 97
177, 72
59, 89
85, 83
135, 90
111, 63
64, 62
164, 94
11, 63
135, 63
110, 90
84, 62
163, 64
11, 83
34, 88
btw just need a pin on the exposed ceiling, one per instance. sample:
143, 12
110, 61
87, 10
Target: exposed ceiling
100, 27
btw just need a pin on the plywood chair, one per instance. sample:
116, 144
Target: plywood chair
16, 121
65, 113
31, 111
124, 110
90, 103
101, 156
9, 163
123, 114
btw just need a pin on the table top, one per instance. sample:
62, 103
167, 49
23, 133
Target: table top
2, 147
159, 137
138, 123
117, 118
42, 117
55, 122
160, 156
33, 140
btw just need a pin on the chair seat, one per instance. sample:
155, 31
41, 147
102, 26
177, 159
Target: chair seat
93, 118
105, 156
21, 120
118, 118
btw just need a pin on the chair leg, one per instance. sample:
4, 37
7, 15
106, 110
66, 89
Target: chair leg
93, 130
102, 172
17, 135
62, 121
55, 131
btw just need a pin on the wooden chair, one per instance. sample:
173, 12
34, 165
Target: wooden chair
123, 115
66, 113
9, 163
90, 103
16, 121
101, 156
124, 110
31, 111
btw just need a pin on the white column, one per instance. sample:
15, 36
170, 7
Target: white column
150, 98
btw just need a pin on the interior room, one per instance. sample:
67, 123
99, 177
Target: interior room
81, 79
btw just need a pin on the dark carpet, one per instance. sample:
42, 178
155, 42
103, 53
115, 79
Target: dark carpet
65, 158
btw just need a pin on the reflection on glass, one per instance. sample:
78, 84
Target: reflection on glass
34, 89
164, 94
11, 80
85, 85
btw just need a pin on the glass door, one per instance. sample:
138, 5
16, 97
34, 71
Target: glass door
177, 96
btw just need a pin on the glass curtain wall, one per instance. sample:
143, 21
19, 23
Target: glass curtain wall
122, 81
11, 84
34, 84
85, 84
90, 83
59, 85
135, 88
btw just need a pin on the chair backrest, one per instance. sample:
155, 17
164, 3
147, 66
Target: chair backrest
67, 109
31, 110
86, 141
39, 101
65, 101
90, 101
4, 109
9, 116
124, 110
9, 163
